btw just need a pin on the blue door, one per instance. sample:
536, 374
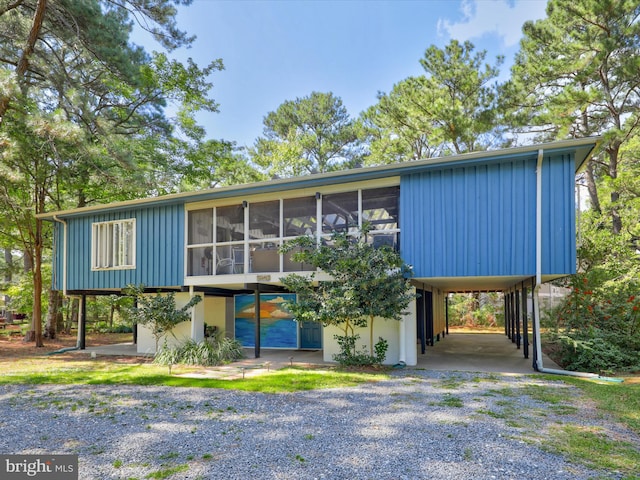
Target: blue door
310, 335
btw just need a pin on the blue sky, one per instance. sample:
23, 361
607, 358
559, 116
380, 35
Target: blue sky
281, 50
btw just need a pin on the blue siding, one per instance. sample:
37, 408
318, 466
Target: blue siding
159, 250
466, 219
559, 222
479, 220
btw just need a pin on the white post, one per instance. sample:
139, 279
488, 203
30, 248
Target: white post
197, 318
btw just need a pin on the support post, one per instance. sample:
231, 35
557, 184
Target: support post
533, 323
420, 316
505, 297
517, 319
513, 317
82, 323
525, 326
446, 312
507, 314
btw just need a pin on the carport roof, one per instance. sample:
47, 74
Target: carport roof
479, 284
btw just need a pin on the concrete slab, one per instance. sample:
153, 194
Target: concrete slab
474, 352
479, 352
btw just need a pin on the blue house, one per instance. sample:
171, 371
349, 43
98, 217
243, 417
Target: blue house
488, 221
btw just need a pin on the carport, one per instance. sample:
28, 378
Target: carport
432, 317
502, 224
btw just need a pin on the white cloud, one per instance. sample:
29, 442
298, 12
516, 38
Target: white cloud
500, 17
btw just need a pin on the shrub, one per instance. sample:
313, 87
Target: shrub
349, 356
213, 351
597, 328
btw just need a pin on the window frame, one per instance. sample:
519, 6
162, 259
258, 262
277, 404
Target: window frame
110, 246
250, 244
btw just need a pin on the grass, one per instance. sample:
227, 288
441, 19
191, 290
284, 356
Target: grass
591, 447
41, 371
168, 472
622, 400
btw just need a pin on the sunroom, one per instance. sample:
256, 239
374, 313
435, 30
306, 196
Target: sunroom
227, 241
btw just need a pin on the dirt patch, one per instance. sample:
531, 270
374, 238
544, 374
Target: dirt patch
12, 344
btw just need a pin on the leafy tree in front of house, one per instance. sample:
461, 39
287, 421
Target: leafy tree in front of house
365, 282
158, 312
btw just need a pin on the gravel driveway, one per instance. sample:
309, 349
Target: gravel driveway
417, 425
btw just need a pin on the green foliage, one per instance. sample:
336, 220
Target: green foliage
213, 351
21, 293
363, 283
103, 327
349, 356
476, 310
598, 325
576, 75
313, 134
450, 109
158, 312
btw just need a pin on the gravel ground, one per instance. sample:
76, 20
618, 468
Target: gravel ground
417, 425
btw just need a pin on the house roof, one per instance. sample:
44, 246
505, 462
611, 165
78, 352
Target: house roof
582, 148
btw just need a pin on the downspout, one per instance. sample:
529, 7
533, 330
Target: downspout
80, 344
535, 294
536, 304
64, 254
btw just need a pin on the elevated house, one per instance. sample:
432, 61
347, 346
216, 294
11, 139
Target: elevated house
488, 221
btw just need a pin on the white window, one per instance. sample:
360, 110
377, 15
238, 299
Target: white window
113, 245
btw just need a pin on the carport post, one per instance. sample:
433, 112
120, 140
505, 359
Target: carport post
506, 313
517, 319
525, 327
446, 312
512, 303
82, 323
533, 322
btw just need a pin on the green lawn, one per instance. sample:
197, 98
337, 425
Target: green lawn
57, 371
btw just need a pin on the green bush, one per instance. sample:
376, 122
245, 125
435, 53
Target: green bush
103, 327
597, 352
213, 351
597, 328
349, 356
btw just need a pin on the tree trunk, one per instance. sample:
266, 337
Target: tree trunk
36, 319
72, 316
592, 189
616, 221
23, 63
53, 315
111, 313
27, 262
8, 277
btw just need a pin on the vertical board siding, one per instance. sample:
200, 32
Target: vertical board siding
558, 206
159, 250
476, 219
479, 220
473, 220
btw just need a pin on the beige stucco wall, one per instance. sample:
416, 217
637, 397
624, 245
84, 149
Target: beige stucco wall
215, 312
181, 333
387, 329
